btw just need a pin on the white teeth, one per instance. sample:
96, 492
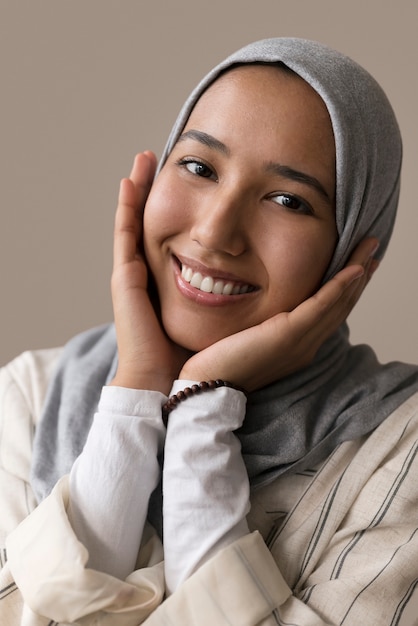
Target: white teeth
218, 287
196, 280
209, 285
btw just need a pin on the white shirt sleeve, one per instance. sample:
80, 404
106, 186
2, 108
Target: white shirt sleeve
113, 478
206, 487
205, 482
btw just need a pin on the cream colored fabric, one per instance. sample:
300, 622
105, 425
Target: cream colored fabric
23, 384
338, 545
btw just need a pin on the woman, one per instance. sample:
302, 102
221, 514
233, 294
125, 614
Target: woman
287, 474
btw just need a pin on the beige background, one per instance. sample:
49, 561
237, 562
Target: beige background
87, 83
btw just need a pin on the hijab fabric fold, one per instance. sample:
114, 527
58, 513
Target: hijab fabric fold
345, 393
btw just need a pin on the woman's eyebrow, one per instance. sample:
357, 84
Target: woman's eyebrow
206, 140
296, 175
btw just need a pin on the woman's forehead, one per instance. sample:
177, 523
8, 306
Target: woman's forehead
259, 97
256, 74
251, 86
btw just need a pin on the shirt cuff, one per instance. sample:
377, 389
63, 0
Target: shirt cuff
134, 402
48, 564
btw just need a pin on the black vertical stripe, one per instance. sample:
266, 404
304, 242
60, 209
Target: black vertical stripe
385, 506
403, 603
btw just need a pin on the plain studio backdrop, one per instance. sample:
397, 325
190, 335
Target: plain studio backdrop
85, 84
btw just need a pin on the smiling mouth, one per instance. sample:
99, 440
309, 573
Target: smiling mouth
217, 286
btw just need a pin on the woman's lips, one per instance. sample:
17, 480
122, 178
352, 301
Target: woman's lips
203, 282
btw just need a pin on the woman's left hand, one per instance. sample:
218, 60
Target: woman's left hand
288, 341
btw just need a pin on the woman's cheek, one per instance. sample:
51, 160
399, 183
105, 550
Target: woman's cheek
304, 258
165, 208
152, 233
156, 209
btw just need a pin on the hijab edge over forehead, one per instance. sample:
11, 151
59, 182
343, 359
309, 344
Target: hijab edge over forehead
368, 160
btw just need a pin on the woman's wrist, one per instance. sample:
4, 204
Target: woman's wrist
146, 382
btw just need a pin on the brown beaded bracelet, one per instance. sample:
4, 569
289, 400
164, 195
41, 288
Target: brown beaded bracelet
178, 397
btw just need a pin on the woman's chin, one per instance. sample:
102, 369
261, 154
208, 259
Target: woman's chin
194, 340
191, 344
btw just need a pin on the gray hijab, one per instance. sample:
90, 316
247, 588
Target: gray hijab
345, 393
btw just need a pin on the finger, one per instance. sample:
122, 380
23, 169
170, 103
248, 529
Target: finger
321, 315
153, 164
366, 249
318, 317
142, 174
149, 155
329, 295
347, 285
363, 255
127, 224
133, 193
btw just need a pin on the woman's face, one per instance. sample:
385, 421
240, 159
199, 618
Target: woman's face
240, 222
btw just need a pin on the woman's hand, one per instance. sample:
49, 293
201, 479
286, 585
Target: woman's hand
286, 342
147, 358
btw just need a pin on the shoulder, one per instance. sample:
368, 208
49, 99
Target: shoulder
23, 384
360, 474
399, 431
25, 380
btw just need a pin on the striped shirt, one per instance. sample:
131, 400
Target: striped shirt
336, 544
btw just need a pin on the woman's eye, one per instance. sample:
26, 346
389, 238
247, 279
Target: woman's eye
198, 168
293, 203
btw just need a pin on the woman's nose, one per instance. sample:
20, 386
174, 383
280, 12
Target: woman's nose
220, 224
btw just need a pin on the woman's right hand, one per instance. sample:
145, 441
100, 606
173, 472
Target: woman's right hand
147, 358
